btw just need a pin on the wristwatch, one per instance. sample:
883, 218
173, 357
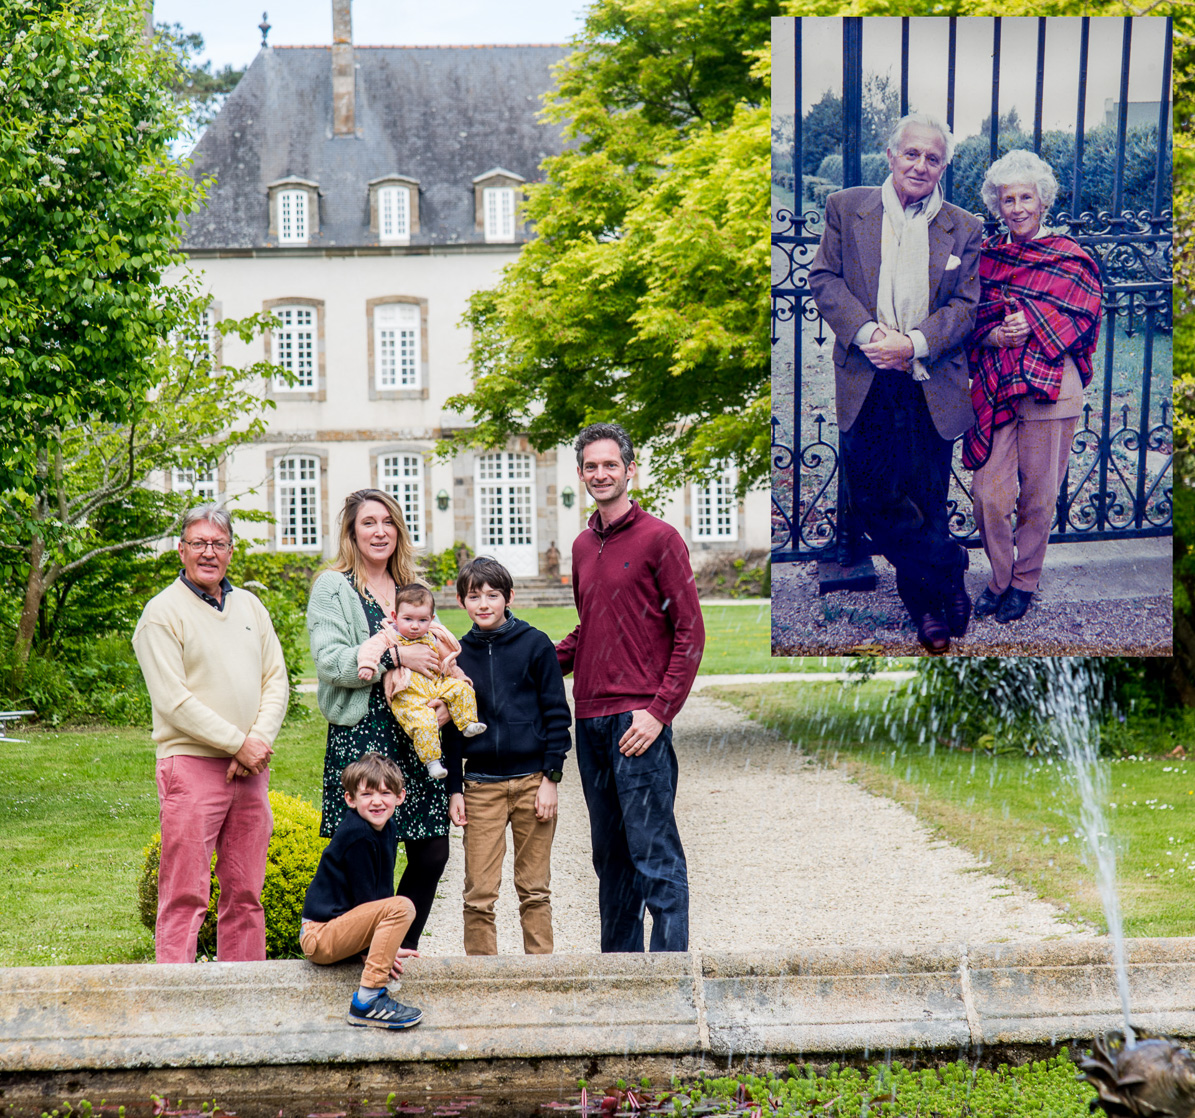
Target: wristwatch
554, 775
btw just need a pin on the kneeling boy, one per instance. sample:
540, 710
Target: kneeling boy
350, 905
512, 769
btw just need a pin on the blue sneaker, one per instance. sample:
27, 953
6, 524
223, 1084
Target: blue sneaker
383, 1013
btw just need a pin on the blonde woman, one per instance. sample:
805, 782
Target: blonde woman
349, 603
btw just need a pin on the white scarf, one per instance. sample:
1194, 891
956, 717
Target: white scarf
902, 299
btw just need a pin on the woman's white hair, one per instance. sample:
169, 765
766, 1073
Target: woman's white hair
1013, 169
926, 120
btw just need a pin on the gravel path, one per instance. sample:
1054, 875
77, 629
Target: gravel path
1116, 603
783, 854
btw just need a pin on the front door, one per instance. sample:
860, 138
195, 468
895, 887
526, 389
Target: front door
506, 511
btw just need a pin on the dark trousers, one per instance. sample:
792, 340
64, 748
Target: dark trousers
637, 850
897, 472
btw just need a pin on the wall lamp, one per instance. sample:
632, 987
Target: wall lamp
442, 500
568, 497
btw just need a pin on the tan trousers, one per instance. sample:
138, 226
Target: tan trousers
489, 807
377, 927
1022, 474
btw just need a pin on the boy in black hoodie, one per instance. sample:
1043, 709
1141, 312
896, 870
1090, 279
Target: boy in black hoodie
512, 769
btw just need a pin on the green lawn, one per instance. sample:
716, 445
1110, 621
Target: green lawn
1016, 812
737, 637
78, 806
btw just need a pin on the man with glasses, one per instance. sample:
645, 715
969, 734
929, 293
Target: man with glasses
218, 686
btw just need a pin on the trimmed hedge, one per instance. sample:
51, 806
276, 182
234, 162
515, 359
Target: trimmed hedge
294, 854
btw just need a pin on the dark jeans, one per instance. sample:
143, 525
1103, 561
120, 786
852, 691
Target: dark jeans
897, 472
637, 851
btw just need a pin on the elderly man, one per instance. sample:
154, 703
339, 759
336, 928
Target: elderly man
634, 656
896, 277
218, 686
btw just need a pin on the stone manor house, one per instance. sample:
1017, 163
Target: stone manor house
361, 194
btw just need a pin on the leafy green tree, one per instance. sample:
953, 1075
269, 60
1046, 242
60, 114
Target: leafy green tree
821, 131
643, 297
93, 499
198, 88
89, 222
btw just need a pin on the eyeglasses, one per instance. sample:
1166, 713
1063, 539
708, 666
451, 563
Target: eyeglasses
218, 546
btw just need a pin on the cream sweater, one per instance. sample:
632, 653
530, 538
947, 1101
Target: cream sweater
214, 677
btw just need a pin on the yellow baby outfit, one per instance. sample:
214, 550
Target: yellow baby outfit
418, 719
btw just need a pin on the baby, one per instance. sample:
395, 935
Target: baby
414, 607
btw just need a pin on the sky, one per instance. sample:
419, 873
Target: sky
231, 35
822, 65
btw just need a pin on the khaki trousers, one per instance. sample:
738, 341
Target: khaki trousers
377, 926
1022, 474
489, 807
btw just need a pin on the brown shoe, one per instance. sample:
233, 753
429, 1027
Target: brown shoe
933, 633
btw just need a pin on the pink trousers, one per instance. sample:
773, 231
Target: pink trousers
201, 813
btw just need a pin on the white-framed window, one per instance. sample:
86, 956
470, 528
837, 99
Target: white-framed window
499, 213
297, 483
715, 508
402, 477
504, 500
294, 347
394, 214
396, 345
292, 217
200, 484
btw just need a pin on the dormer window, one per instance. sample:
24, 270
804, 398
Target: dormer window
496, 201
294, 211
394, 209
292, 217
499, 213
394, 219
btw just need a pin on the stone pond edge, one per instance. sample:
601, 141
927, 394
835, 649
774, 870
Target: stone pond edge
719, 1004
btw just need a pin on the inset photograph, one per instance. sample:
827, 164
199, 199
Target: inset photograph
972, 448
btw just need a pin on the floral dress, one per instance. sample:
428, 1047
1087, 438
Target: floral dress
424, 813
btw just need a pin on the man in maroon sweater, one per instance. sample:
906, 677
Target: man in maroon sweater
634, 656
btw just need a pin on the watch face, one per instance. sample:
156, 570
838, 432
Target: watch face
555, 776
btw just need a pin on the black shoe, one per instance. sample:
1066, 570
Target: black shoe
956, 606
933, 633
1013, 605
987, 603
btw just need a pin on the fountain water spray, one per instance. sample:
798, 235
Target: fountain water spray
1065, 708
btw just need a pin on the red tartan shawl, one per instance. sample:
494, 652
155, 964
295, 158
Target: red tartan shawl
1058, 287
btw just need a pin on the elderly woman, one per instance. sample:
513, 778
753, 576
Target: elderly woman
1035, 331
349, 603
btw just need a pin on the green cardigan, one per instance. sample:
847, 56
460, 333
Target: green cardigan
337, 626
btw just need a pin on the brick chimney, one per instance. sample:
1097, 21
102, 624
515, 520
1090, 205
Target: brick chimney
344, 93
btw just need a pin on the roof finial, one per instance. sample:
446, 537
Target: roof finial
264, 27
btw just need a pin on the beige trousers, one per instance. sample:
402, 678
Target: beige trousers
1022, 475
377, 926
489, 807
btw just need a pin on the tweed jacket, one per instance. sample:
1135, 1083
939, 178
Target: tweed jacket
844, 278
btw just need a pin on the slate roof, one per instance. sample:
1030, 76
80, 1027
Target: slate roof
441, 115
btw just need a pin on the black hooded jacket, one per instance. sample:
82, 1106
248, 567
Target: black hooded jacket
520, 698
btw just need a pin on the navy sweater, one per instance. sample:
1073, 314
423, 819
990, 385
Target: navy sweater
356, 867
520, 698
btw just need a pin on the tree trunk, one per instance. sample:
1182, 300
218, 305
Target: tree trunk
35, 590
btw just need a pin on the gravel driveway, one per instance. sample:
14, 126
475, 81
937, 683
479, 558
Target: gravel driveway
783, 854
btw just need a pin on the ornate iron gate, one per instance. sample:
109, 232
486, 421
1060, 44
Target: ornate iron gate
1120, 480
